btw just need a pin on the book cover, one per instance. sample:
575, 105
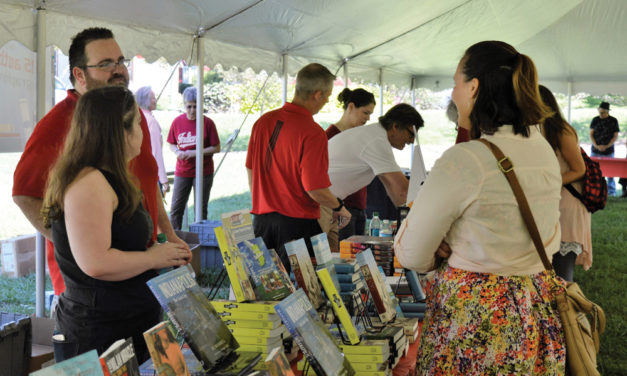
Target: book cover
304, 272
338, 306
263, 332
238, 225
277, 363
119, 359
243, 315
312, 336
255, 306
190, 311
368, 346
284, 274
86, 364
376, 285
165, 352
268, 281
237, 271
321, 248
193, 365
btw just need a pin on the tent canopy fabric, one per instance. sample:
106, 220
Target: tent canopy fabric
575, 41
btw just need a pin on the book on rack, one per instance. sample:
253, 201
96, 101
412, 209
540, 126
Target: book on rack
338, 306
393, 298
324, 258
269, 282
393, 335
304, 272
312, 336
85, 364
165, 351
277, 363
235, 267
119, 359
191, 313
376, 285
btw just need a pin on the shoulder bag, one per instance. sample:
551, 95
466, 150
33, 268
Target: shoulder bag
582, 320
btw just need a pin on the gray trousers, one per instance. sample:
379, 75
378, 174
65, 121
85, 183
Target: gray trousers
180, 194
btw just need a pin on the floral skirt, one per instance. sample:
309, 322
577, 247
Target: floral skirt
485, 324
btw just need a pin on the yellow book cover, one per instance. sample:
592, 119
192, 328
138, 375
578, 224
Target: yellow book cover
253, 324
369, 358
338, 305
256, 306
368, 346
244, 315
257, 332
235, 268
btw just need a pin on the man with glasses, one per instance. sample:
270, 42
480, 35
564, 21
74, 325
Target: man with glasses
603, 134
96, 60
182, 140
359, 154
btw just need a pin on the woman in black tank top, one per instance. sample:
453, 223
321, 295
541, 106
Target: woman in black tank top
101, 231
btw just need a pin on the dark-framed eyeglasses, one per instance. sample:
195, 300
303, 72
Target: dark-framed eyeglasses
109, 65
412, 134
190, 106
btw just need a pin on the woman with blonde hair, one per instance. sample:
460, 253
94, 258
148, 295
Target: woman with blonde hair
490, 308
101, 231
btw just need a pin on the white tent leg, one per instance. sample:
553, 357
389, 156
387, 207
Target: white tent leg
346, 75
200, 128
40, 257
412, 89
283, 78
570, 96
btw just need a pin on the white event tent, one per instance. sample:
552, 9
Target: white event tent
576, 44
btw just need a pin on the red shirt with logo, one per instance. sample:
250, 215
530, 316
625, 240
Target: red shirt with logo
288, 156
183, 135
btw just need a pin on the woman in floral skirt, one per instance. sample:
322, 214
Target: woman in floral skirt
490, 307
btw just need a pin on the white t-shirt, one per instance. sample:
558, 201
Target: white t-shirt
467, 201
356, 156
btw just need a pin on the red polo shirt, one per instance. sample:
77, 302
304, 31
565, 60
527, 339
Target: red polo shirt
41, 152
288, 156
359, 199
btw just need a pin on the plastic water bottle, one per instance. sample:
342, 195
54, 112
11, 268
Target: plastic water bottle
386, 229
162, 238
375, 224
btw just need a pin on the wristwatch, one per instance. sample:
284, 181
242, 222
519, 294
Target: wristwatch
340, 206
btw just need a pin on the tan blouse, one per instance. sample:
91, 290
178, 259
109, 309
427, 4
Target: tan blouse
467, 201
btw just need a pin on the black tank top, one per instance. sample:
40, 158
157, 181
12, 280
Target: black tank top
88, 301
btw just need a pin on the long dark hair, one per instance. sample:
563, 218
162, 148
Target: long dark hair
359, 97
97, 138
508, 89
555, 125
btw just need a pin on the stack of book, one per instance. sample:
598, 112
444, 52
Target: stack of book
369, 358
396, 339
255, 325
351, 283
382, 249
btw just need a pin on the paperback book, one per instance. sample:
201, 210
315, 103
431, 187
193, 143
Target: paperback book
376, 285
338, 306
238, 273
312, 336
190, 311
119, 359
304, 272
164, 350
277, 363
324, 258
86, 364
269, 282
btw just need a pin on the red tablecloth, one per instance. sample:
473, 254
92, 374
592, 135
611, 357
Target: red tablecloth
616, 167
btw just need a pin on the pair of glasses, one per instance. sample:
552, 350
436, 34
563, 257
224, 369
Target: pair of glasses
109, 65
190, 106
412, 134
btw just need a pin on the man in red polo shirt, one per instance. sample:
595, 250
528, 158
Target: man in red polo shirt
287, 165
95, 60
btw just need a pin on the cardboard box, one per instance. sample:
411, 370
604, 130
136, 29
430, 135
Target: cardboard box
18, 256
41, 350
191, 238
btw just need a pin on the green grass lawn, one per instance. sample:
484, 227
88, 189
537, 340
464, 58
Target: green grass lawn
604, 283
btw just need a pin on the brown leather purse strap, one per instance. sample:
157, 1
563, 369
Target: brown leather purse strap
507, 167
